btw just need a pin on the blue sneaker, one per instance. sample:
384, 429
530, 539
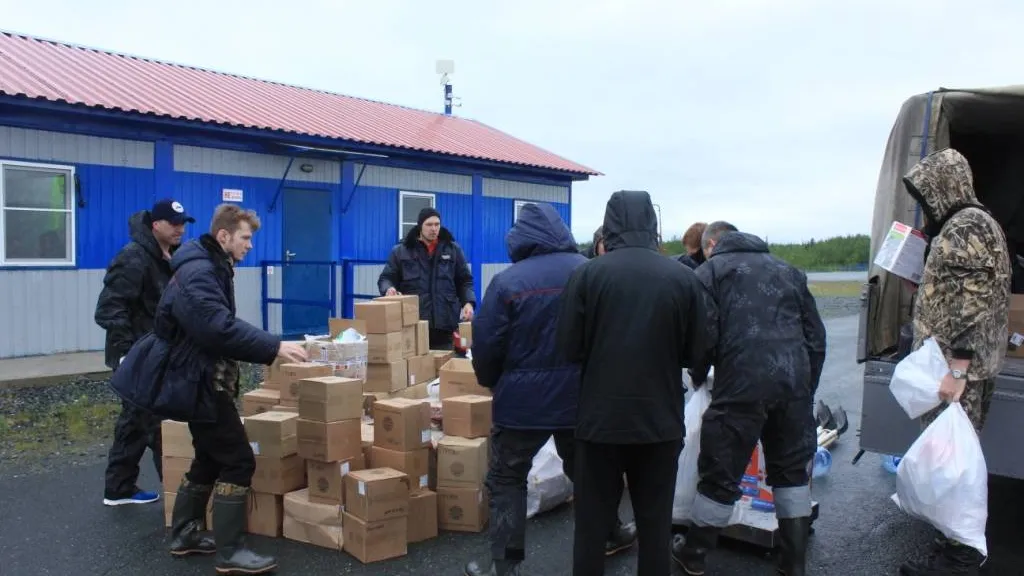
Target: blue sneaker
140, 497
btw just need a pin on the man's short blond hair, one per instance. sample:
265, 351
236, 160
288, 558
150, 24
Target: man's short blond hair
230, 217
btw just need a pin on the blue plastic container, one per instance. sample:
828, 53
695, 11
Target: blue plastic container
822, 462
890, 463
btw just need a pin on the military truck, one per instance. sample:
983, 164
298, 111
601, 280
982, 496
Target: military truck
987, 126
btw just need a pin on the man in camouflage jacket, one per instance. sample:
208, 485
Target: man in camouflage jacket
963, 302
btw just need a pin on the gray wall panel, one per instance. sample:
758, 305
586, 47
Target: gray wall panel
61, 147
49, 312
525, 191
234, 163
413, 180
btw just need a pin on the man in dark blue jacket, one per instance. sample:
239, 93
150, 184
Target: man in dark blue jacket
768, 352
535, 388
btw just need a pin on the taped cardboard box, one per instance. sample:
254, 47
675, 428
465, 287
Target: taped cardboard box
387, 377
266, 514
461, 462
327, 479
459, 379
385, 348
462, 509
273, 434
176, 440
174, 469
377, 494
275, 475
330, 441
330, 399
312, 523
401, 424
414, 463
409, 341
421, 369
1015, 348
380, 316
422, 338
422, 524
902, 252
467, 416
375, 541
259, 401
441, 357
410, 307
293, 373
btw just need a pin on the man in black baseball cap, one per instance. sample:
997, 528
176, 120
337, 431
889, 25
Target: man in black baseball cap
135, 279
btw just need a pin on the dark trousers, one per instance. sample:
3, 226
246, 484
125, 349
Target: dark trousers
512, 454
440, 339
651, 472
223, 453
134, 431
729, 434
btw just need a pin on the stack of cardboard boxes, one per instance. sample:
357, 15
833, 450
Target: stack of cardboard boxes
329, 431
376, 514
399, 352
279, 468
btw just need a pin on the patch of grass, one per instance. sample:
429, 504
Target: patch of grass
836, 289
67, 425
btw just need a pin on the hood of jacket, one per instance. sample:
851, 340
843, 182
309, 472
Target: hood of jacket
732, 242
942, 184
539, 230
630, 221
413, 237
140, 230
204, 248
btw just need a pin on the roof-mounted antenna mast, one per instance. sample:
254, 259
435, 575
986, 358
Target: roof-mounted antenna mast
445, 68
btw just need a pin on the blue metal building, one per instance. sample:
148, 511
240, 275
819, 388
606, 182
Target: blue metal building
88, 137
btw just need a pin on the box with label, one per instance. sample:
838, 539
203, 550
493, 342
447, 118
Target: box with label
330, 398
329, 441
461, 462
421, 369
415, 464
409, 341
377, 494
272, 434
387, 377
422, 523
176, 440
259, 401
174, 469
401, 424
326, 479
279, 475
266, 513
467, 416
466, 334
385, 348
312, 523
410, 307
375, 541
902, 252
462, 509
459, 379
1015, 347
380, 317
293, 373
422, 338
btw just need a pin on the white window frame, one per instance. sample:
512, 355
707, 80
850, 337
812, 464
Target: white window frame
517, 206
71, 240
402, 195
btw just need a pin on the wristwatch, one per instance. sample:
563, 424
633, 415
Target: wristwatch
958, 374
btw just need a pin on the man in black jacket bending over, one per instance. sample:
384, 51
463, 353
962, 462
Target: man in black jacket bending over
429, 263
132, 287
633, 319
768, 354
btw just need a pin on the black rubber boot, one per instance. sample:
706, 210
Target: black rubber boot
623, 537
793, 535
691, 551
230, 505
188, 520
952, 559
496, 568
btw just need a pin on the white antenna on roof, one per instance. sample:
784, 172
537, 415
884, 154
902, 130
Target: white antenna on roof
445, 68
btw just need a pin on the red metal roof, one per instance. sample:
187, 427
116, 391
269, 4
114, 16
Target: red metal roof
44, 69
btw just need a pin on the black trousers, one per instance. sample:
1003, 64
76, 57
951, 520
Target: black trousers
729, 435
223, 453
134, 431
651, 472
512, 454
440, 340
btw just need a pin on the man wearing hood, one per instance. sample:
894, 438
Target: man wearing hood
633, 320
430, 264
535, 388
768, 350
963, 302
134, 281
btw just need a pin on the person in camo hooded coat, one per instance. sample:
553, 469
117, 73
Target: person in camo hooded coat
963, 302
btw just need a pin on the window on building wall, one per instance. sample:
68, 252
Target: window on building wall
519, 206
409, 206
38, 225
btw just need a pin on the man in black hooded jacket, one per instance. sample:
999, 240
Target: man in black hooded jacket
633, 320
768, 352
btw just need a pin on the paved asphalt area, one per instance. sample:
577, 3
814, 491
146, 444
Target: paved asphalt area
55, 524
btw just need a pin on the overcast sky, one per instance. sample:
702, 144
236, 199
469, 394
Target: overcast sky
770, 113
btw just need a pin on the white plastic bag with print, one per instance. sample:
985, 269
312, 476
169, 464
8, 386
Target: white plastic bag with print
547, 486
943, 479
916, 379
686, 473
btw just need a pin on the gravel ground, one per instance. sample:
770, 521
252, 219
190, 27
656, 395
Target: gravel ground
46, 427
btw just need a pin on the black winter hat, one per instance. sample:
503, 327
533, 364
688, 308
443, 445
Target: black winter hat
427, 213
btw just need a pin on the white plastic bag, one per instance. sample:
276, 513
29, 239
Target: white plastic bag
916, 379
547, 486
686, 474
943, 479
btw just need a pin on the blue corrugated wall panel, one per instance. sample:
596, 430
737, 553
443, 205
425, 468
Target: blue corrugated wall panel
498, 215
111, 196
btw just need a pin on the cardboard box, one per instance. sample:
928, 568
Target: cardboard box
902, 252
422, 519
377, 494
293, 373
266, 513
422, 338
367, 434
409, 341
461, 462
259, 401
375, 541
279, 475
466, 334
467, 416
330, 398
171, 497
410, 307
462, 509
331, 537
329, 441
272, 434
441, 357
176, 440
384, 348
417, 392
401, 424
421, 369
1016, 326
312, 523
283, 408
371, 398
415, 464
326, 479
387, 377
381, 317
459, 379
174, 468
